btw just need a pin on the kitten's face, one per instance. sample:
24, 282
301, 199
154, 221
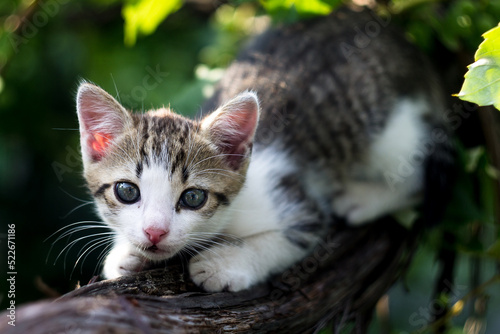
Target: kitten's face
161, 181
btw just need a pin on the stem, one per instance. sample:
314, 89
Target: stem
457, 308
447, 257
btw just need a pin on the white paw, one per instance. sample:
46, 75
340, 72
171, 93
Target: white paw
364, 202
221, 270
123, 261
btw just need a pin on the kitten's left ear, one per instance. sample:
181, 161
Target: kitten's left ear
101, 119
232, 127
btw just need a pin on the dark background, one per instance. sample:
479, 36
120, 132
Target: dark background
42, 189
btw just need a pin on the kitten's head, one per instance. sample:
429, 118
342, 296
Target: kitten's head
161, 180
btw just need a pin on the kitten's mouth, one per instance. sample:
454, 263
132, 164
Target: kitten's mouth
153, 249
156, 251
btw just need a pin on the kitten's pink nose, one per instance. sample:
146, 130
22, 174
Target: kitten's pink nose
155, 235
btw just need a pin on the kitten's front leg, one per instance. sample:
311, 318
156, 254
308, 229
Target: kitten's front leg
124, 259
235, 267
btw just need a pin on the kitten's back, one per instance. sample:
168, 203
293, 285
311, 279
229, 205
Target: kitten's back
327, 86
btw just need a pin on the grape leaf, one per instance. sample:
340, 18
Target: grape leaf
482, 81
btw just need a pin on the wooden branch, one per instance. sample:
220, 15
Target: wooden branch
339, 284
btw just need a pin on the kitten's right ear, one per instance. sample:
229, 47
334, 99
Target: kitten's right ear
232, 127
101, 119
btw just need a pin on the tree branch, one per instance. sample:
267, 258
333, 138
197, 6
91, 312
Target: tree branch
339, 284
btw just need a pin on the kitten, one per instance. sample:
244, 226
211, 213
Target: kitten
308, 125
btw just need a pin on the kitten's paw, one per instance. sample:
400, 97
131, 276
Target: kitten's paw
123, 261
363, 202
215, 273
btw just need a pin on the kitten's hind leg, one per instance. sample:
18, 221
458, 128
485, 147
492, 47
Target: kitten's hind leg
391, 177
362, 202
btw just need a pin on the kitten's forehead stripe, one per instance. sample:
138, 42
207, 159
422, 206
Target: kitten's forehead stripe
166, 139
185, 174
179, 159
163, 137
144, 136
138, 169
102, 189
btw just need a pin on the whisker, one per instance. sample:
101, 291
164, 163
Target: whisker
202, 245
101, 236
70, 225
217, 173
193, 251
78, 229
70, 230
217, 236
116, 88
74, 197
102, 256
189, 167
85, 249
212, 242
95, 244
213, 157
78, 207
239, 210
218, 170
72, 243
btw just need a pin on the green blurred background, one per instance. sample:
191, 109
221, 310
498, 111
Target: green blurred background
172, 55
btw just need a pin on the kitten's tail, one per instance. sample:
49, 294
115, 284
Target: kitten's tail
440, 174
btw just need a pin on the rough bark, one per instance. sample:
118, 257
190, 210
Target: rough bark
338, 284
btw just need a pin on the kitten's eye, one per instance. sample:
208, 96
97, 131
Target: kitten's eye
193, 198
127, 193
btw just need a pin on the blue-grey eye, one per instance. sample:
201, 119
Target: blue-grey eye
127, 193
193, 198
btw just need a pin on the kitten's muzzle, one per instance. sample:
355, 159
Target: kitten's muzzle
155, 235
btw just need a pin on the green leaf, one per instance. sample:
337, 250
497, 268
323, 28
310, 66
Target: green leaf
144, 16
482, 81
313, 7
292, 10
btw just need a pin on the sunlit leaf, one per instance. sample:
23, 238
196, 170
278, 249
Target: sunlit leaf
274, 5
144, 16
294, 9
315, 7
482, 81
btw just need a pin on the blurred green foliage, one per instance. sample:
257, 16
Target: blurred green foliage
152, 53
458, 25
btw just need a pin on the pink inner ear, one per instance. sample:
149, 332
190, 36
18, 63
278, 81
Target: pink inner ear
235, 132
244, 126
101, 118
99, 142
